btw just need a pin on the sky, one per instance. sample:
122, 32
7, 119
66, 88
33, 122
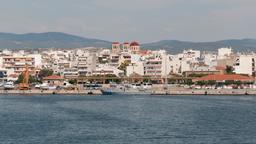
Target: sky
127, 20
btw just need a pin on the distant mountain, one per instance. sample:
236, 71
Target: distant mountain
175, 46
63, 40
47, 40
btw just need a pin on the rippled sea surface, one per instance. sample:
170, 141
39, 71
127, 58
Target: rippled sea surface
127, 119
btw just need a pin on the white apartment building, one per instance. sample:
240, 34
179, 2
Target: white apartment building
154, 65
104, 69
183, 62
137, 67
191, 55
175, 64
114, 60
16, 63
104, 56
37, 59
180, 64
224, 52
125, 57
245, 64
86, 62
70, 73
210, 59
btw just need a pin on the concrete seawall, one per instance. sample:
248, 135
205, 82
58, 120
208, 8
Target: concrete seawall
206, 92
154, 92
47, 92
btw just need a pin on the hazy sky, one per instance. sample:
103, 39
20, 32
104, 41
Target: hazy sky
142, 20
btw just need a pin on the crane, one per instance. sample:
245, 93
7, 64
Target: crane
25, 82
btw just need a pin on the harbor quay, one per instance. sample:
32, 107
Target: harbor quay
119, 89
251, 92
214, 92
51, 92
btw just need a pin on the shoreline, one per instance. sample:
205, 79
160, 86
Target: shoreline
190, 92
51, 92
213, 92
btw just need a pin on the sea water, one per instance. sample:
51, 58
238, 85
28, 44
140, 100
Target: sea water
141, 119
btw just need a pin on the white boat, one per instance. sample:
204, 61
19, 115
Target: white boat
125, 90
9, 85
52, 88
44, 86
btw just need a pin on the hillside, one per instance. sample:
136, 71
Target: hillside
175, 46
47, 40
63, 40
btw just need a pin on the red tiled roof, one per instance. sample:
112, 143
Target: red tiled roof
53, 77
220, 77
126, 43
115, 43
134, 44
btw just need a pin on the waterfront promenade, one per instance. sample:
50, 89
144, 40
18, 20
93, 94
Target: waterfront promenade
154, 91
206, 92
47, 92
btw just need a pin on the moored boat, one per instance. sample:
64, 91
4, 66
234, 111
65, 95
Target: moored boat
124, 91
9, 85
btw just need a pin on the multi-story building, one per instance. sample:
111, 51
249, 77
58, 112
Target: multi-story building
137, 68
114, 60
104, 56
104, 69
224, 52
152, 67
191, 55
70, 73
82, 63
245, 64
157, 64
17, 64
125, 58
210, 59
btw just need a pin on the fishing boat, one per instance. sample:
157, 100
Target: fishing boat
9, 85
46, 86
125, 90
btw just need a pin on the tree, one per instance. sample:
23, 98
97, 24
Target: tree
211, 82
44, 73
229, 82
229, 69
72, 81
188, 82
123, 66
238, 83
197, 75
201, 83
32, 79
